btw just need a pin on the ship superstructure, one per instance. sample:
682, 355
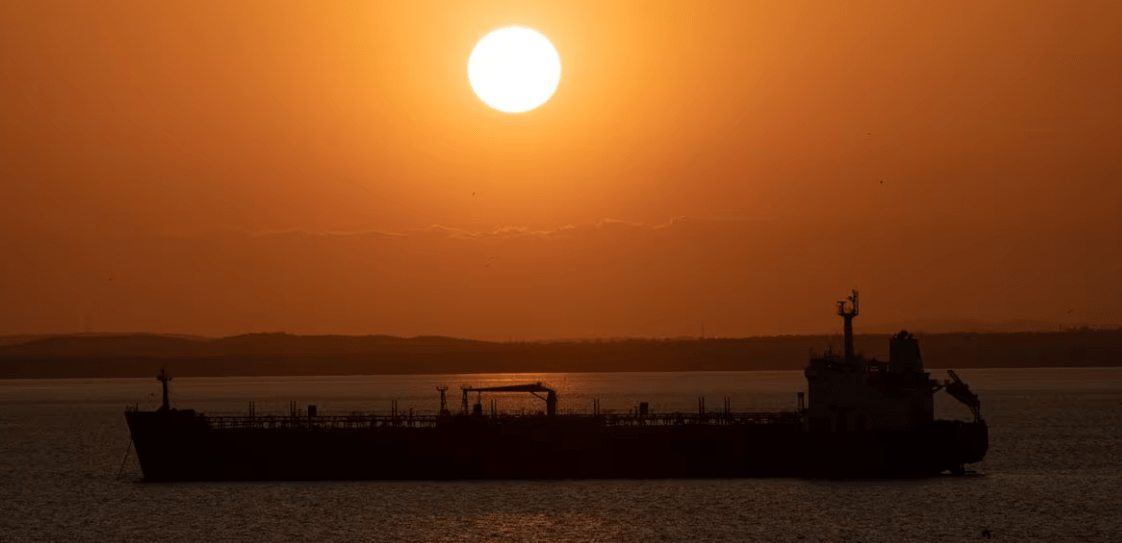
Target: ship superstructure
849, 393
851, 397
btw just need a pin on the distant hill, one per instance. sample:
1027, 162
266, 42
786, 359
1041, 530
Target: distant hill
141, 355
175, 346
22, 338
965, 326
103, 346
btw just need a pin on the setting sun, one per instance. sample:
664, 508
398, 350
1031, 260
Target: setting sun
514, 69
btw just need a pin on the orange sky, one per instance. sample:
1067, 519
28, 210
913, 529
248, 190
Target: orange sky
221, 167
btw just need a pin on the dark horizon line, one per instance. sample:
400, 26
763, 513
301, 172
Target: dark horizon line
880, 329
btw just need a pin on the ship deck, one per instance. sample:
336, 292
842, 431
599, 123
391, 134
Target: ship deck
361, 421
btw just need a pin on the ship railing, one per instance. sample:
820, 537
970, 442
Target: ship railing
274, 422
710, 419
361, 421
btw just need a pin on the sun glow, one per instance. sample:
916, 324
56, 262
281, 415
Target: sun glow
514, 69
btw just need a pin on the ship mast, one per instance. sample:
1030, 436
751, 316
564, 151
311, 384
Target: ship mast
443, 400
848, 309
163, 377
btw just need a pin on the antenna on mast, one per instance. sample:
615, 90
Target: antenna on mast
847, 309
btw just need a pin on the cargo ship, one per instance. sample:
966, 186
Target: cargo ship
858, 418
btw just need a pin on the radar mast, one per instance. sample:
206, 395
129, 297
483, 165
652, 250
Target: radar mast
847, 309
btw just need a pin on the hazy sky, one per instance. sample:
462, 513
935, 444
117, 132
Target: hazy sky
217, 167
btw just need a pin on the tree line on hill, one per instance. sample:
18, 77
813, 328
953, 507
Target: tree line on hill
142, 355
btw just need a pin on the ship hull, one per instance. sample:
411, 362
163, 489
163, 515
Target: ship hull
184, 446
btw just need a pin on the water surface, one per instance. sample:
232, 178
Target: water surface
1053, 471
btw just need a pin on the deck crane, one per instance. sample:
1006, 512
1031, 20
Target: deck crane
961, 392
533, 388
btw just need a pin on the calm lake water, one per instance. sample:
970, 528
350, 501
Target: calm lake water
1054, 470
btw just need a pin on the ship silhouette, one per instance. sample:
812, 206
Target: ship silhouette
859, 418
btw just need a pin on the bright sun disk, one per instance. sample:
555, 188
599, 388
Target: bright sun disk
514, 69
